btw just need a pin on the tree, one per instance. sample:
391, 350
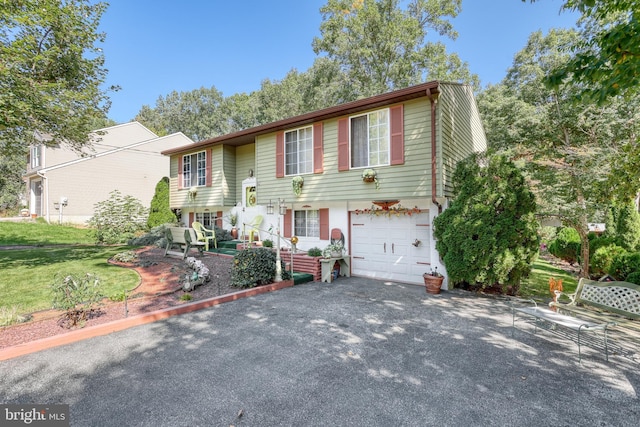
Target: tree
160, 212
50, 72
606, 61
571, 152
12, 186
623, 225
381, 47
488, 235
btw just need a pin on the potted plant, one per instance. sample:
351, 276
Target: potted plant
297, 183
333, 250
233, 220
433, 281
370, 175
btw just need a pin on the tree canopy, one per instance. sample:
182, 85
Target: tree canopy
606, 60
381, 46
50, 72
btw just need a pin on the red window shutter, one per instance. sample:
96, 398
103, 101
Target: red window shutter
324, 223
219, 219
209, 170
318, 151
180, 166
191, 219
343, 144
280, 155
288, 224
397, 135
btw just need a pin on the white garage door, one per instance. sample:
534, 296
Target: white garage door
384, 247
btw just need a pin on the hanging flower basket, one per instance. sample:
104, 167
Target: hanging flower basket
370, 175
297, 183
193, 192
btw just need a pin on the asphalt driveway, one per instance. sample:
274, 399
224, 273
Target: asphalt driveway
352, 353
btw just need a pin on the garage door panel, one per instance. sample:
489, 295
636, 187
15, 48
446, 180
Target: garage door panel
383, 247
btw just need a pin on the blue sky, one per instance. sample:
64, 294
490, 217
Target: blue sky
154, 47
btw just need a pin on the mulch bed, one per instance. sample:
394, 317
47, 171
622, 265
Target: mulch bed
160, 287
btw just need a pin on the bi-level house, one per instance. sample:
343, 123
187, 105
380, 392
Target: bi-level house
64, 185
378, 170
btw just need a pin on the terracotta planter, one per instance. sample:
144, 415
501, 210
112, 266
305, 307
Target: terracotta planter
432, 283
234, 233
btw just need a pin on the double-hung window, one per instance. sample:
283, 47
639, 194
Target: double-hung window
307, 223
36, 156
194, 169
370, 139
298, 148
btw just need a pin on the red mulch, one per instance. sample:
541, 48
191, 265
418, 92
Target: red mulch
160, 287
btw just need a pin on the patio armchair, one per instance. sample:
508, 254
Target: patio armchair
204, 235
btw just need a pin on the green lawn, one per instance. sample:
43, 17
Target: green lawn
537, 285
39, 234
25, 274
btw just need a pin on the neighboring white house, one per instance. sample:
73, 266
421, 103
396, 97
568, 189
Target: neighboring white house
64, 185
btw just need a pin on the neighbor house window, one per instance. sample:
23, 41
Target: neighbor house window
370, 139
298, 148
194, 169
36, 156
307, 223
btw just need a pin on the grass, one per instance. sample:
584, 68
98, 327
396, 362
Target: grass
40, 234
25, 274
537, 285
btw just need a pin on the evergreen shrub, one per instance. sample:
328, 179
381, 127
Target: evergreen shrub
255, 267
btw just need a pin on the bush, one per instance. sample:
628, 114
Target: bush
160, 212
314, 252
254, 267
155, 236
488, 236
77, 295
634, 277
603, 257
118, 219
267, 243
598, 243
566, 246
624, 264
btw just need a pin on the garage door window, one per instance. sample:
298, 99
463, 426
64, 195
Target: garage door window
307, 223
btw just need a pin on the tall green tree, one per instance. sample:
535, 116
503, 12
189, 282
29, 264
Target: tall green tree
571, 151
51, 72
382, 46
160, 211
488, 235
606, 60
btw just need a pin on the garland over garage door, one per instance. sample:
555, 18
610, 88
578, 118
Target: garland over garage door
392, 247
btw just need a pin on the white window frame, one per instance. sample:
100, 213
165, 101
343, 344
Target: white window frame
293, 165
311, 225
36, 156
207, 219
375, 142
199, 179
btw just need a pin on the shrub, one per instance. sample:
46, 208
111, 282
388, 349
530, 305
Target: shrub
603, 257
155, 236
566, 246
488, 235
77, 295
160, 212
127, 256
118, 218
624, 264
10, 315
314, 252
598, 243
254, 267
634, 277
267, 243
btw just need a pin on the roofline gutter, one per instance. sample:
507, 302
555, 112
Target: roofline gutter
433, 97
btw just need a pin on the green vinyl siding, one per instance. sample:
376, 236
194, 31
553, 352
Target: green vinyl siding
245, 159
410, 180
460, 132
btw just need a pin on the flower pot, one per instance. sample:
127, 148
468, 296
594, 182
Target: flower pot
234, 233
369, 178
432, 283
